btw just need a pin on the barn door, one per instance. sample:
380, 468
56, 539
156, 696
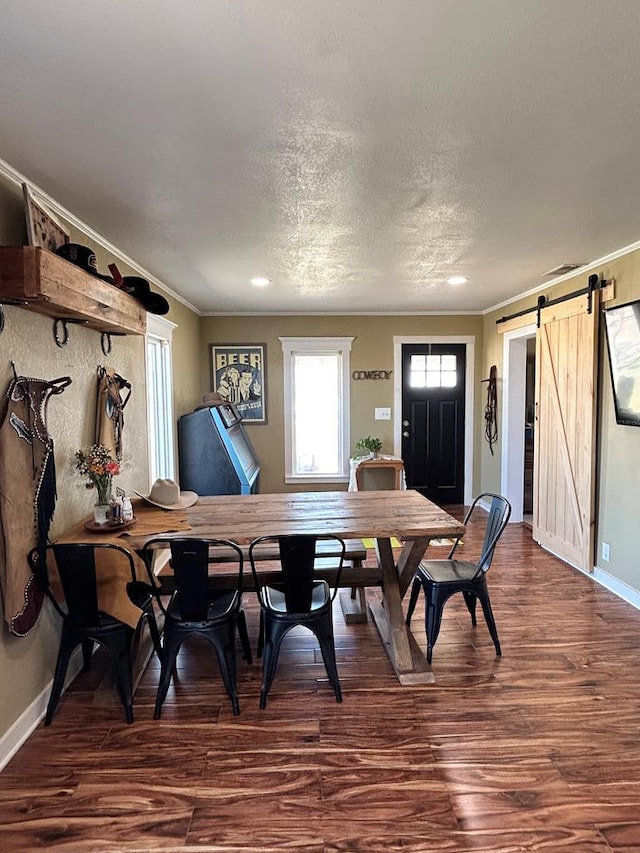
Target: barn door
565, 424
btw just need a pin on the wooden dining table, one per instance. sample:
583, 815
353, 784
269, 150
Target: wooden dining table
380, 515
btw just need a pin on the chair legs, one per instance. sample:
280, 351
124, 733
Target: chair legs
150, 619
67, 645
485, 601
272, 633
222, 638
120, 653
244, 638
415, 592
434, 605
436, 597
117, 643
87, 653
172, 643
470, 599
327, 647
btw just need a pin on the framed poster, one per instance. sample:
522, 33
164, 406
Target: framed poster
238, 375
43, 229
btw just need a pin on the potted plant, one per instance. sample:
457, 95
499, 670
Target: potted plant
371, 444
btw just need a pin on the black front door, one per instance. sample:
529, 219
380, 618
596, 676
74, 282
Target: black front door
433, 394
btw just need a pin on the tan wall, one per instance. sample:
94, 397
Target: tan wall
26, 664
372, 349
618, 469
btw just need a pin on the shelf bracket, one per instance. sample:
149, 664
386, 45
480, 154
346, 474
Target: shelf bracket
64, 340
60, 325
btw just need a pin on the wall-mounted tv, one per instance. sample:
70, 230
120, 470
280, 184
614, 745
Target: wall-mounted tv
622, 324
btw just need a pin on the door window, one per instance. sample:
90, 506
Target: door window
433, 371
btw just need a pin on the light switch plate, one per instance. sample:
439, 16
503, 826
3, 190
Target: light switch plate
383, 414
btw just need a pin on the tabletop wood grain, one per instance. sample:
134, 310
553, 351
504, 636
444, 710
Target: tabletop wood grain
354, 515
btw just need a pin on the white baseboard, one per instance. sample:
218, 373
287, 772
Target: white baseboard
616, 586
32, 716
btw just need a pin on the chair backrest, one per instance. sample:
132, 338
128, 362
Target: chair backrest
297, 564
499, 513
190, 564
382, 474
76, 567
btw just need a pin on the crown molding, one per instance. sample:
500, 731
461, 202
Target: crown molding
592, 265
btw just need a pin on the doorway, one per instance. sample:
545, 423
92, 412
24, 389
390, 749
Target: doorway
424, 343
433, 395
514, 416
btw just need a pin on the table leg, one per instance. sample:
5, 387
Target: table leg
406, 657
354, 605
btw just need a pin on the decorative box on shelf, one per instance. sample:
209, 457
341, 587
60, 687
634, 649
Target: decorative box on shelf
39, 280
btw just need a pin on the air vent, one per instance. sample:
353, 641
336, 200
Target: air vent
563, 269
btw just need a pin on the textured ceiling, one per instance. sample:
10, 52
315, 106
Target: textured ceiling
356, 152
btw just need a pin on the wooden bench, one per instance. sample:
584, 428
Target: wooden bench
354, 577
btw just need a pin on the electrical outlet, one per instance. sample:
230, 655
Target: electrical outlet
605, 551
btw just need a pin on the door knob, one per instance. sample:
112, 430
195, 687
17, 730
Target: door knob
406, 434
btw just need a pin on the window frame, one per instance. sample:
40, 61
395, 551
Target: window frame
341, 346
160, 398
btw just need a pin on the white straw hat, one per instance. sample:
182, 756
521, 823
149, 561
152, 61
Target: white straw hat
167, 495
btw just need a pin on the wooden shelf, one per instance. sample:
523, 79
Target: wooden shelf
40, 281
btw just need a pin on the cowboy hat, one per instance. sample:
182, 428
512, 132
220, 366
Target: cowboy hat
167, 495
209, 400
83, 257
139, 288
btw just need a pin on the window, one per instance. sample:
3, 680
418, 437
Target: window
160, 398
316, 409
433, 371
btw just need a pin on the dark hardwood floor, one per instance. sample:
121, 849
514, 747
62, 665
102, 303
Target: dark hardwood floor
536, 751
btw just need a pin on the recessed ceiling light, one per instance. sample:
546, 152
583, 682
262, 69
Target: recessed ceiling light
457, 279
260, 281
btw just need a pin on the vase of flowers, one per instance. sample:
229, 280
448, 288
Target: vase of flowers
99, 466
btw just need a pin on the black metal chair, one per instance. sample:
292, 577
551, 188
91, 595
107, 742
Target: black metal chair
440, 579
195, 609
83, 623
296, 598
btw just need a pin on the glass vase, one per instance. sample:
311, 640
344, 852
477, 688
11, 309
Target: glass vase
102, 509
102, 514
103, 488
